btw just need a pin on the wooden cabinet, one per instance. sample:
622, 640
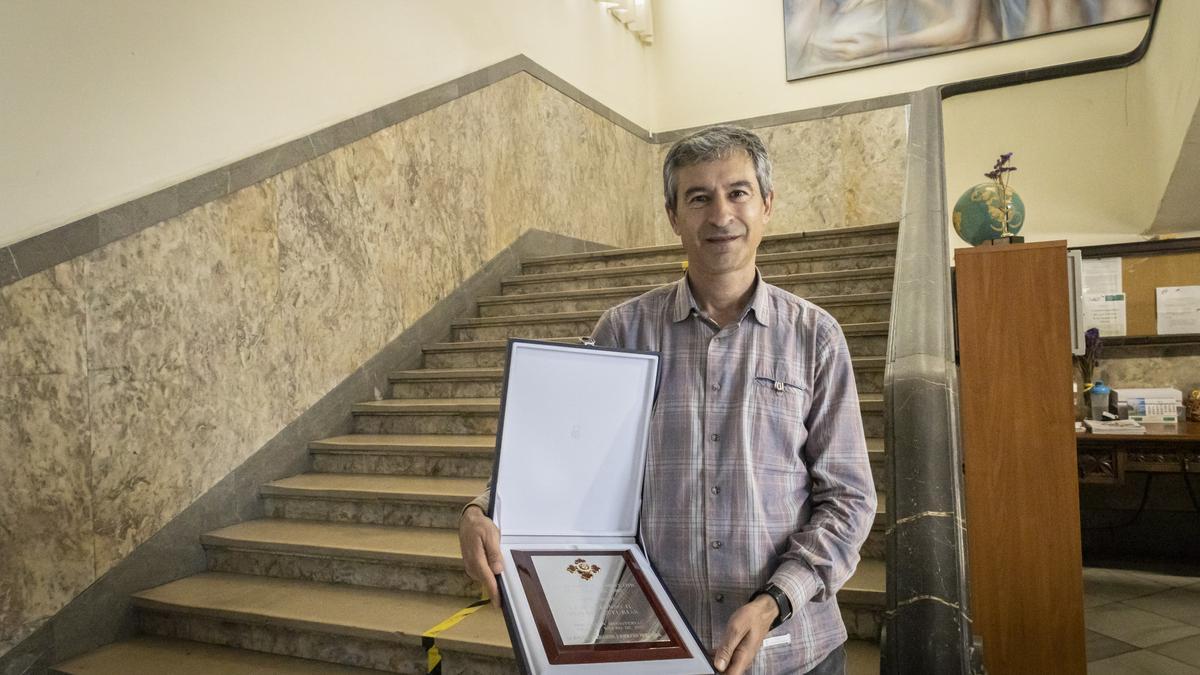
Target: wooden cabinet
1022, 499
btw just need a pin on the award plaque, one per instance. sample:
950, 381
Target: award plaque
595, 607
578, 593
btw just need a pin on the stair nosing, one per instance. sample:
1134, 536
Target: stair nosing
657, 268
867, 328
334, 445
263, 616
260, 545
594, 314
491, 374
275, 489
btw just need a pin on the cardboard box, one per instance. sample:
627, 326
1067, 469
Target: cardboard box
578, 593
1150, 405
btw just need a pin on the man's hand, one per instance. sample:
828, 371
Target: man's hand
479, 539
744, 635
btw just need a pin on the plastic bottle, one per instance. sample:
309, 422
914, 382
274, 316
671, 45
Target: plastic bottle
1099, 400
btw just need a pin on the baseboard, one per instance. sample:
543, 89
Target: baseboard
102, 613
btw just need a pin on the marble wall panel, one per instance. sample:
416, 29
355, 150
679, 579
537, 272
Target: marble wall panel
1176, 372
45, 504
138, 376
831, 172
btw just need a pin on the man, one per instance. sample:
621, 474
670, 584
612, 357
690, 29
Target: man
758, 490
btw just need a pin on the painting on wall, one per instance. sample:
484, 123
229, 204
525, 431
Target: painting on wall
825, 36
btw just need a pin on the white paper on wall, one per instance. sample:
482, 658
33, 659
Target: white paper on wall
1105, 312
1102, 276
1178, 309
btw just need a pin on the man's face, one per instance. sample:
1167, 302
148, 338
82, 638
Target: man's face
720, 214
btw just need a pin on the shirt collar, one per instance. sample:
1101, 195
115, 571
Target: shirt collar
760, 304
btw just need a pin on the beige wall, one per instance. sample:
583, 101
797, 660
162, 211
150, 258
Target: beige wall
108, 101
716, 60
1094, 152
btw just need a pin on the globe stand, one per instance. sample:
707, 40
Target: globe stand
1005, 241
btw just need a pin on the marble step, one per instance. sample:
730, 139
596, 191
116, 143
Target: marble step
337, 623
459, 416
399, 558
372, 499
413, 455
864, 339
863, 599
784, 262
481, 416
805, 284
378, 628
478, 354
885, 233
809, 285
450, 456
477, 382
145, 655
847, 309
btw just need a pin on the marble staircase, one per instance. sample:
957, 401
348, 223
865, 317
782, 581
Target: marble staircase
358, 558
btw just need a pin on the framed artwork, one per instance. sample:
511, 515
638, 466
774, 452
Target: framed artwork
827, 36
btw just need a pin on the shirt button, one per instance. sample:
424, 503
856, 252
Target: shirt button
720, 597
716, 387
716, 490
716, 544
714, 437
716, 339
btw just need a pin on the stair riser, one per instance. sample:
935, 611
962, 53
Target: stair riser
530, 331
803, 289
768, 267
862, 623
394, 575
677, 255
482, 388
369, 511
390, 656
860, 345
426, 423
460, 466
480, 424
845, 313
876, 544
869, 382
879, 310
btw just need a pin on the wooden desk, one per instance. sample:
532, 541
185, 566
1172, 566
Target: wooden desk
1164, 448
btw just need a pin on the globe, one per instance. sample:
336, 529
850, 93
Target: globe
978, 214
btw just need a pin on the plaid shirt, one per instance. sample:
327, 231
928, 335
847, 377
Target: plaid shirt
757, 467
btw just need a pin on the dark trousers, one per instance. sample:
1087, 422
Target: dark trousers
834, 664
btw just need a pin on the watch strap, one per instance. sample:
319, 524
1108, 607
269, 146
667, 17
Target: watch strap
782, 603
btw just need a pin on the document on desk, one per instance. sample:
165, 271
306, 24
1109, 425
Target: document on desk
1178, 309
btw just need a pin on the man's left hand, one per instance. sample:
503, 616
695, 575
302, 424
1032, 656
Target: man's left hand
744, 635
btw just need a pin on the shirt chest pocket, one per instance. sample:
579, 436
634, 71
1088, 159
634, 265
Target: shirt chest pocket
779, 398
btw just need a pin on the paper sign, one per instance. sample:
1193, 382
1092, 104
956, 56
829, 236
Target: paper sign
1178, 309
1102, 276
1106, 312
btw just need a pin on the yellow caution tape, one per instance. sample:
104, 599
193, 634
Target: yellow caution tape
433, 658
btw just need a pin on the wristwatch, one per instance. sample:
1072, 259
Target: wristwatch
781, 601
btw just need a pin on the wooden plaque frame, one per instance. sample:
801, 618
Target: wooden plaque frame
559, 653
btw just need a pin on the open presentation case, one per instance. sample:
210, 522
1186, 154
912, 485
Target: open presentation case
578, 592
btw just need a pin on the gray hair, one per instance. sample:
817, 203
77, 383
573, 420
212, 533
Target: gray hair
710, 144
